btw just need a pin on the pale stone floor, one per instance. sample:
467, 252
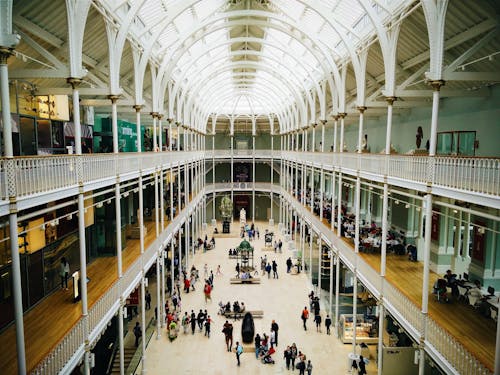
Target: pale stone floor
281, 299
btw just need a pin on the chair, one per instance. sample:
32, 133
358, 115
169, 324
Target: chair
462, 293
473, 299
493, 314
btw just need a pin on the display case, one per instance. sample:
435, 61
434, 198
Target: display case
366, 329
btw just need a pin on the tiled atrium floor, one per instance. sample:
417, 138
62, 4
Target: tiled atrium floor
281, 299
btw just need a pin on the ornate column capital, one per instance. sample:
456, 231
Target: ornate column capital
74, 82
390, 99
113, 98
170, 120
5, 53
437, 84
137, 107
154, 114
361, 109
342, 115
323, 122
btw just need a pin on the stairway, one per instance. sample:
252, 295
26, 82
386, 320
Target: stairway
128, 353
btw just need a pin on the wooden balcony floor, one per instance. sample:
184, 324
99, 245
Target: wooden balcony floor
475, 332
46, 324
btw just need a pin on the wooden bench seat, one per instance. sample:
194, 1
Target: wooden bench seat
237, 280
233, 256
256, 314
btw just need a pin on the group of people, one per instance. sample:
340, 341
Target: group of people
295, 359
251, 231
315, 308
237, 307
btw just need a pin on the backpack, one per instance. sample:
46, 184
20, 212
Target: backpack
239, 349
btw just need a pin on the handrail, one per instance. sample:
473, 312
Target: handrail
23, 177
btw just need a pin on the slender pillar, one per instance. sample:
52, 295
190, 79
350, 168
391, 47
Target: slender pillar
178, 124
360, 131
75, 82
83, 275
320, 263
4, 93
381, 321
161, 307
436, 86
313, 146
160, 133
13, 230
390, 101
158, 295
157, 206
354, 310
137, 108
357, 222
335, 124
155, 135
330, 286
337, 291
253, 178
332, 216
339, 206
342, 117
322, 149
312, 189
114, 122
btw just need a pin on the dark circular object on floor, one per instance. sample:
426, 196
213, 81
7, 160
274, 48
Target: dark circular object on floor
247, 328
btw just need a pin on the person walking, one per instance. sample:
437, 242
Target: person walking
328, 323
293, 355
208, 322
305, 316
309, 367
287, 354
237, 270
228, 333
219, 271
137, 333
207, 290
317, 320
239, 350
275, 270
192, 320
148, 300
200, 318
64, 273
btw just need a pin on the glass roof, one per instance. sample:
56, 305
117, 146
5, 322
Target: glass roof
249, 56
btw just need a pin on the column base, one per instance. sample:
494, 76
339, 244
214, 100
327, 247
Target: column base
271, 222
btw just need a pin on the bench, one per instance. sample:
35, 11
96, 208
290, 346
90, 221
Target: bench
237, 280
256, 314
233, 256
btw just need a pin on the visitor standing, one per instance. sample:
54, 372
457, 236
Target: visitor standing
361, 366
148, 300
275, 270
239, 350
200, 318
309, 367
287, 354
268, 270
64, 273
275, 328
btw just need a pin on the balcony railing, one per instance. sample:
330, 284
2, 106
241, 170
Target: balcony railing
478, 175
26, 176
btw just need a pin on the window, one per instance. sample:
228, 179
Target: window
456, 143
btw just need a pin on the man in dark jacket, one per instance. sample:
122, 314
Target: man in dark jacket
275, 328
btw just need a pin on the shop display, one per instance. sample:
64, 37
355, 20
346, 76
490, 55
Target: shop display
366, 330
